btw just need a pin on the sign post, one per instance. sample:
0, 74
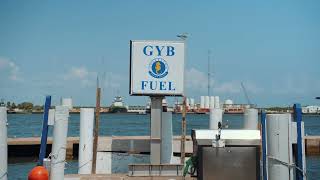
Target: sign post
156, 70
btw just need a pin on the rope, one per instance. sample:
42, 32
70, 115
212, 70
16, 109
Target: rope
3, 175
289, 165
50, 156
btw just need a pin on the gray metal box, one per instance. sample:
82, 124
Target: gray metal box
228, 163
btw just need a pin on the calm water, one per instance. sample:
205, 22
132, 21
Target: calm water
29, 125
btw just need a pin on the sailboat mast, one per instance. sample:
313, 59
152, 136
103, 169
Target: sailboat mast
209, 74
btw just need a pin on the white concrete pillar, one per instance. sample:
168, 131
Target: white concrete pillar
3, 144
250, 119
86, 140
60, 131
166, 138
215, 117
278, 146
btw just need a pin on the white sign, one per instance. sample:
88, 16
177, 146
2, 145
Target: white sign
157, 68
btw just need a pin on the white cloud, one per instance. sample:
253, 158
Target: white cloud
198, 81
86, 77
77, 73
12, 69
112, 80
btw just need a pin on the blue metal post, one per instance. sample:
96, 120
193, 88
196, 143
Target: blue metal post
264, 145
44, 133
298, 118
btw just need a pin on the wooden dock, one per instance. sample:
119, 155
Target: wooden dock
123, 177
312, 145
29, 147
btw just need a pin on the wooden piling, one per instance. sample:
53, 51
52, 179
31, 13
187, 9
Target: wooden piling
96, 131
183, 130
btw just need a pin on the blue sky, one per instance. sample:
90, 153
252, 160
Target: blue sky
59, 47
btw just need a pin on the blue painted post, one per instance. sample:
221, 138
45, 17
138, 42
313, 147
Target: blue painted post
298, 118
264, 145
44, 133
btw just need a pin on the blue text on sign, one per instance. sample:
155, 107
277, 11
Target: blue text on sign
157, 85
158, 50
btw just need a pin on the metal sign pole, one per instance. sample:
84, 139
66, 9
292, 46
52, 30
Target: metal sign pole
298, 118
155, 128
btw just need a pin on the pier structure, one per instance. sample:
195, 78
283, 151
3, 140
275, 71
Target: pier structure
29, 147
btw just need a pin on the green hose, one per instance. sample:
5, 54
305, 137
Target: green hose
191, 164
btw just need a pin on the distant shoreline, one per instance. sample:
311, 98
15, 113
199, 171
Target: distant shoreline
135, 113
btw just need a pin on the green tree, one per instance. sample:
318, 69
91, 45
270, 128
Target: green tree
38, 108
13, 105
26, 106
8, 105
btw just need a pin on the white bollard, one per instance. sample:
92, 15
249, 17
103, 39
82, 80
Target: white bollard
166, 138
215, 118
278, 149
86, 140
60, 131
3, 144
250, 119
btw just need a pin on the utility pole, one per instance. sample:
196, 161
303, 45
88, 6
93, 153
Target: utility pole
96, 129
184, 37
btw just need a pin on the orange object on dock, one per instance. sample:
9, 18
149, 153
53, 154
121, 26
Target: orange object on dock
38, 173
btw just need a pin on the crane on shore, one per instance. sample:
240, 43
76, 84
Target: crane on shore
245, 93
247, 96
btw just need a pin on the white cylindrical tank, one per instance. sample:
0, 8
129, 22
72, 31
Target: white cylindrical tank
191, 103
228, 102
216, 102
215, 117
207, 102
60, 131
211, 102
3, 144
250, 119
188, 102
86, 140
67, 102
166, 138
278, 146
202, 102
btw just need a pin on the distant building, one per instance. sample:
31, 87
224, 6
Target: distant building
311, 109
137, 109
